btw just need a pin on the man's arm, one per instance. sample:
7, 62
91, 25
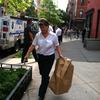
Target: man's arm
31, 36
29, 51
58, 49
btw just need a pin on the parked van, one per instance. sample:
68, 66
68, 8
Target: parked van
12, 32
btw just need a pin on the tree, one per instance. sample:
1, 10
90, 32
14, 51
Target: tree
18, 6
14, 7
49, 11
63, 16
31, 11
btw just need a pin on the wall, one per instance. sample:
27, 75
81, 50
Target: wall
95, 4
79, 7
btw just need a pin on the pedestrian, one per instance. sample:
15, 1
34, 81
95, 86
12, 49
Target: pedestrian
62, 33
50, 28
54, 28
83, 34
28, 38
77, 33
47, 43
59, 34
69, 32
65, 30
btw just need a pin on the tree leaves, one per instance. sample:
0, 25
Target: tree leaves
16, 6
51, 12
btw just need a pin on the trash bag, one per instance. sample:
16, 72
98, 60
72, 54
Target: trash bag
61, 79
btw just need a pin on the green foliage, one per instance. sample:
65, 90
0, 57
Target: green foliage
8, 80
19, 54
17, 6
30, 11
63, 16
49, 11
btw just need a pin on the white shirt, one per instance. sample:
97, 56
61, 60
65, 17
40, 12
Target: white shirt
58, 32
46, 46
50, 28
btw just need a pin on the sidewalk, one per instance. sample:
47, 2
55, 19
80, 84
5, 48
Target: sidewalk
86, 79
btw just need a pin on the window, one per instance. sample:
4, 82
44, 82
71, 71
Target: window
81, 13
89, 21
4, 35
82, 1
98, 25
12, 25
5, 23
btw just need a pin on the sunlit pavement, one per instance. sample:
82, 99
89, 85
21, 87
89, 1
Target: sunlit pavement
86, 78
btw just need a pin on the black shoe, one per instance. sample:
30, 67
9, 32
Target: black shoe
24, 61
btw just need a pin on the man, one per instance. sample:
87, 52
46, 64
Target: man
28, 38
83, 34
59, 34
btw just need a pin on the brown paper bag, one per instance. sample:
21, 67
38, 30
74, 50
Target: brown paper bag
61, 79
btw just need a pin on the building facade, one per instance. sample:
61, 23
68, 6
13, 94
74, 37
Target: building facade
81, 7
80, 16
71, 10
93, 18
77, 10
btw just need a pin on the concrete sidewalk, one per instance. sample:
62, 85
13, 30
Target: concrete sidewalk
86, 78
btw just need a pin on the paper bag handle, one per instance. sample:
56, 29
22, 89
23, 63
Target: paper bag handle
64, 68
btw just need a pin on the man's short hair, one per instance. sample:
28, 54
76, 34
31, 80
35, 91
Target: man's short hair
29, 20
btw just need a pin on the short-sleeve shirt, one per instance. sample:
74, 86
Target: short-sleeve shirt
46, 46
26, 34
58, 32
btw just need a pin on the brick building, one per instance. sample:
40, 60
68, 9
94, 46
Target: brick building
71, 10
93, 18
77, 10
80, 16
81, 9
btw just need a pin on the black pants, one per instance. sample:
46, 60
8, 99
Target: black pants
60, 39
83, 38
45, 65
25, 49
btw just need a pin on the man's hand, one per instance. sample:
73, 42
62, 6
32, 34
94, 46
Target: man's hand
61, 56
26, 57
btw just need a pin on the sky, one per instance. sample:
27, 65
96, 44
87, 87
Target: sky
62, 4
